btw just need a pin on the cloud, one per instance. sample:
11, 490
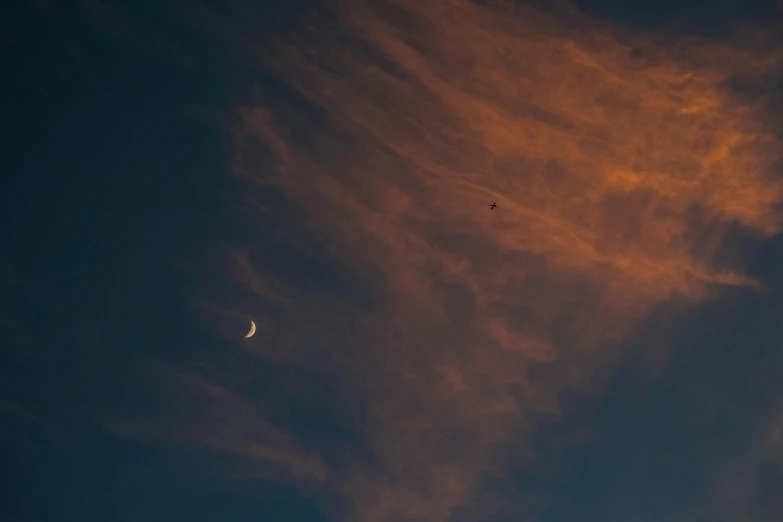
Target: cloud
748, 485
621, 165
214, 417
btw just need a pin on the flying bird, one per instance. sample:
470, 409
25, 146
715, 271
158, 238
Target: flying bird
493, 205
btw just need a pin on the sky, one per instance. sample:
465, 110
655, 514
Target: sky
605, 345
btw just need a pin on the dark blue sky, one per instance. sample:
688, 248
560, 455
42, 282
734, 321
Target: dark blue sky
146, 221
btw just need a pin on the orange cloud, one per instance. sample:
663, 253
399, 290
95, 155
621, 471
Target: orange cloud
618, 163
601, 151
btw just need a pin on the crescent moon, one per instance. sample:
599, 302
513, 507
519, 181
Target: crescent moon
252, 330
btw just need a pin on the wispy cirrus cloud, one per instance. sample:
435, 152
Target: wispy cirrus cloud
622, 166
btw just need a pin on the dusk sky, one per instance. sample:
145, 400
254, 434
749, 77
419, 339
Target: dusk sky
605, 345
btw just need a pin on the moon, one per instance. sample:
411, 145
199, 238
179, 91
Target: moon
252, 330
